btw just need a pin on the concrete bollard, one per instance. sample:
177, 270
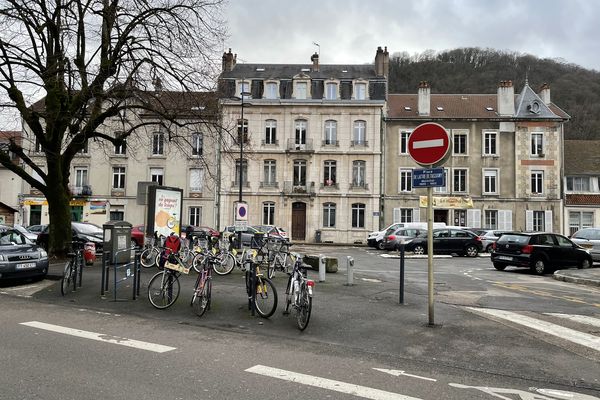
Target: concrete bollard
350, 271
321, 268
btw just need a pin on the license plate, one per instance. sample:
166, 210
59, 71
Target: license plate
25, 265
505, 258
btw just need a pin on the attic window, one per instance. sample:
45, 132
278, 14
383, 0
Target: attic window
407, 108
344, 70
305, 70
489, 108
440, 108
260, 70
534, 107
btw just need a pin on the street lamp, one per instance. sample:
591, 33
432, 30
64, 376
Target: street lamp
242, 130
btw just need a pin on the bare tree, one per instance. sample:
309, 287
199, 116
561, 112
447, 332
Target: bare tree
89, 60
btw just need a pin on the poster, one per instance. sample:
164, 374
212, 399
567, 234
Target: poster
98, 207
447, 202
164, 210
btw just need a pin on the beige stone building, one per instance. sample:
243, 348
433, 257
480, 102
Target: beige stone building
505, 167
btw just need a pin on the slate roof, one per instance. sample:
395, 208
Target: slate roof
582, 157
288, 71
526, 103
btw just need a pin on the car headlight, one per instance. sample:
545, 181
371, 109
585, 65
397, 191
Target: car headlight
2, 257
43, 254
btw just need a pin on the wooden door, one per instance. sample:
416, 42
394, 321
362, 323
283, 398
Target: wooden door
298, 221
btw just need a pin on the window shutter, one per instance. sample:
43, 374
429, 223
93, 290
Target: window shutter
377, 90
346, 90
317, 89
396, 215
505, 220
529, 220
548, 221
416, 215
257, 89
474, 218
285, 89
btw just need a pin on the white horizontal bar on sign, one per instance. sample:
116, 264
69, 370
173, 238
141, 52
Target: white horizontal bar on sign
101, 337
424, 144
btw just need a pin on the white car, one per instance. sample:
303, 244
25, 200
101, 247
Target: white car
588, 238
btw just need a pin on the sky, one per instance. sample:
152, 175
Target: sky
349, 31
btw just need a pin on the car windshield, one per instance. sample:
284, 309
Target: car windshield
520, 239
88, 229
12, 237
590, 234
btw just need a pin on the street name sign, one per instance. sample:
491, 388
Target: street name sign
432, 177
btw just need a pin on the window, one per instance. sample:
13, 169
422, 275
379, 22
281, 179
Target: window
329, 215
490, 181
537, 182
158, 143
406, 215
359, 133
118, 181
271, 90
81, 176
358, 215
268, 213
538, 221
360, 91
196, 179
405, 184
244, 88
579, 184
330, 132
459, 143
537, 144
490, 143
331, 91
443, 189
329, 173
242, 131
121, 148
299, 173
85, 148
404, 142
197, 141
38, 147
359, 168
300, 138
459, 180
244, 172
271, 131
156, 175
301, 91
579, 220
270, 173
117, 215
195, 214
490, 219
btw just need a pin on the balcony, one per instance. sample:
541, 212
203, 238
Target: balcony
80, 191
271, 143
359, 143
236, 184
329, 184
330, 143
359, 186
300, 147
269, 185
290, 188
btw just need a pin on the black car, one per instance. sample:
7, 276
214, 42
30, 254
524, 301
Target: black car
539, 251
20, 257
447, 241
82, 232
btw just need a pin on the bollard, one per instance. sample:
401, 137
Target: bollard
321, 268
350, 271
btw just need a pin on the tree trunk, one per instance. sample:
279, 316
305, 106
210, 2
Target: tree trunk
59, 209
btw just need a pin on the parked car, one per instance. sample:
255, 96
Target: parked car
393, 240
448, 241
197, 230
589, 238
138, 235
20, 257
29, 235
376, 238
489, 236
36, 228
272, 231
82, 232
541, 252
247, 235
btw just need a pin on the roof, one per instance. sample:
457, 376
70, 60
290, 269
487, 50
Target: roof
4, 205
529, 105
582, 157
289, 71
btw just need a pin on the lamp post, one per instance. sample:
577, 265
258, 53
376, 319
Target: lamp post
241, 132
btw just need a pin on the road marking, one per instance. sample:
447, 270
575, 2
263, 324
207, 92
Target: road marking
329, 384
425, 144
582, 319
397, 372
157, 348
572, 335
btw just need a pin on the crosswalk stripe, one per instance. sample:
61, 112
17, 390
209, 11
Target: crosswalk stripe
157, 348
582, 319
572, 335
329, 384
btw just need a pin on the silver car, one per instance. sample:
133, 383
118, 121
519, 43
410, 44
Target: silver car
589, 238
489, 237
19, 257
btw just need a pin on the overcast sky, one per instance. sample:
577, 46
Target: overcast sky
349, 31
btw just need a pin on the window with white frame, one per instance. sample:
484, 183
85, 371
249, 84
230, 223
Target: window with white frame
196, 179
537, 144
490, 143
331, 90
121, 148
271, 90
270, 173
359, 168
301, 92
268, 213
360, 91
244, 87
329, 172
197, 142
156, 175
538, 220
490, 219
358, 215
360, 133
443, 189
299, 172
158, 143
195, 214
490, 181
329, 215
242, 131
118, 175
582, 184
81, 176
406, 215
460, 142
300, 128
404, 142
330, 132
459, 180
270, 131
537, 182
579, 220
405, 180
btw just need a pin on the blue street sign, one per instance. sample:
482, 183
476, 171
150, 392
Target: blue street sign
432, 177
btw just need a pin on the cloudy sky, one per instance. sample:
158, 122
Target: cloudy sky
349, 31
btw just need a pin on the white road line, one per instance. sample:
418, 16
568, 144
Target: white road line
157, 348
424, 144
329, 384
582, 319
572, 335
397, 372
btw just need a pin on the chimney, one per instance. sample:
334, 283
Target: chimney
424, 98
315, 61
382, 62
545, 93
506, 98
229, 60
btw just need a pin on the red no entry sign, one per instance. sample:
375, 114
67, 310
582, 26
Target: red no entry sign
428, 144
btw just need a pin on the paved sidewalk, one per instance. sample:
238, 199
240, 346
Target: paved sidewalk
590, 276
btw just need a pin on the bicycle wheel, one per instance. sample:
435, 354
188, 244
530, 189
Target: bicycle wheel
197, 262
266, 297
304, 308
65, 282
163, 290
148, 257
225, 265
74, 273
201, 299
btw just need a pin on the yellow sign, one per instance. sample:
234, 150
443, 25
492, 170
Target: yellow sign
45, 202
447, 202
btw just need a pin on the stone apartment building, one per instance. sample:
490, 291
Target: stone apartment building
311, 145
505, 167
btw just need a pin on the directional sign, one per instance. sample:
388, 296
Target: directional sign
433, 177
428, 144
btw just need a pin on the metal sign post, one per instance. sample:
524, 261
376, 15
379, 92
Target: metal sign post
430, 253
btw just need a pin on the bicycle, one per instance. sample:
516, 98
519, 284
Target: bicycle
226, 260
150, 255
73, 271
164, 287
299, 293
201, 299
262, 295
280, 259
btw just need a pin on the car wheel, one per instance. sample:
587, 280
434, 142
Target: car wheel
419, 249
585, 263
381, 245
499, 267
538, 267
488, 248
471, 251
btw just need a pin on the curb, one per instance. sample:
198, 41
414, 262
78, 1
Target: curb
572, 279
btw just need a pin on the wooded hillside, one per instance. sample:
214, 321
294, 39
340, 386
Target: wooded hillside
474, 70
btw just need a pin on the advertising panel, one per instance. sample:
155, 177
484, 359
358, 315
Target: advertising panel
164, 210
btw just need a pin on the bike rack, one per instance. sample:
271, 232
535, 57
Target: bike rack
129, 272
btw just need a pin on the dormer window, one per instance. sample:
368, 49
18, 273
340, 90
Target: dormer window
271, 91
360, 91
300, 90
244, 87
534, 107
331, 91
